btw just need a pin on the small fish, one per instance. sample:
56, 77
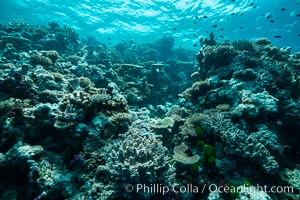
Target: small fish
195, 35
205, 17
109, 38
272, 21
194, 45
277, 36
174, 29
283, 9
196, 17
214, 26
232, 13
241, 27
195, 22
268, 16
298, 15
299, 34
221, 36
222, 29
232, 0
254, 7
251, 4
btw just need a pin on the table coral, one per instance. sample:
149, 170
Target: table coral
182, 157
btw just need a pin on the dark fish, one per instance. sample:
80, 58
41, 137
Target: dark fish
277, 36
232, 0
299, 34
109, 38
272, 21
241, 27
222, 29
298, 15
205, 16
214, 26
268, 16
195, 35
195, 22
174, 29
221, 36
254, 6
251, 4
196, 17
283, 9
194, 45
232, 13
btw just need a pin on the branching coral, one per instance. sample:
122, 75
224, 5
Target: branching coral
36, 59
237, 142
220, 55
138, 157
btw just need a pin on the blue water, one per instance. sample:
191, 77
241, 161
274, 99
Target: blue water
147, 20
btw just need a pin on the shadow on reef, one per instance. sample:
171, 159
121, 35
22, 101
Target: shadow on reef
80, 120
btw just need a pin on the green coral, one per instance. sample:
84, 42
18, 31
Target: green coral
208, 150
247, 183
195, 167
200, 143
211, 160
199, 131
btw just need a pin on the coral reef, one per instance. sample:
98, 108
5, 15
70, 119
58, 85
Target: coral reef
81, 120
